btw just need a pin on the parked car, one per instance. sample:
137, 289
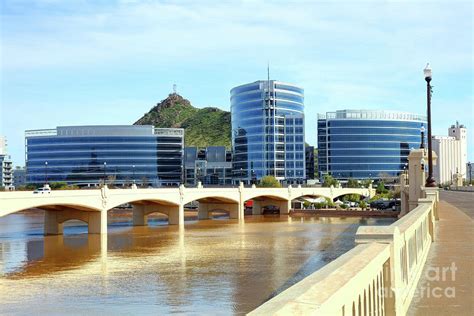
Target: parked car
385, 204
43, 190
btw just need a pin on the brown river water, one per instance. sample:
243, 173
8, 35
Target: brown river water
217, 266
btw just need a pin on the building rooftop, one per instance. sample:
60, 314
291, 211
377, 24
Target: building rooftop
105, 130
372, 115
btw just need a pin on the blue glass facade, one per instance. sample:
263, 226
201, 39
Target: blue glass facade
85, 155
268, 131
366, 144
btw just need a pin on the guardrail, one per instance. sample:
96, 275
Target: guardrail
377, 277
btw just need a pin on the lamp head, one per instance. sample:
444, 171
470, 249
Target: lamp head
427, 71
422, 129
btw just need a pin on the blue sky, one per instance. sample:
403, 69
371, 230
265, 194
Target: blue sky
108, 62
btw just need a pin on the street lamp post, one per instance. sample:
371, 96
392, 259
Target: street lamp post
422, 130
430, 181
45, 172
469, 166
105, 173
241, 174
133, 172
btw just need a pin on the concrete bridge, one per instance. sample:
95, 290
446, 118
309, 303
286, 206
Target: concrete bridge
91, 206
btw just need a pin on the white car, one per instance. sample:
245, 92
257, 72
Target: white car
43, 190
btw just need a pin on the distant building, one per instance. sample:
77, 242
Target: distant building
19, 176
470, 171
268, 131
121, 154
366, 144
309, 159
211, 165
452, 154
6, 179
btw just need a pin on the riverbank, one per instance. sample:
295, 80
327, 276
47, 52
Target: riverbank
344, 213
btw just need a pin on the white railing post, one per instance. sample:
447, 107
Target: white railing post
431, 217
392, 277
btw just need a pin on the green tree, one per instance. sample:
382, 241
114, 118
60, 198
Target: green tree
363, 205
381, 188
351, 198
330, 203
328, 180
352, 183
60, 185
269, 182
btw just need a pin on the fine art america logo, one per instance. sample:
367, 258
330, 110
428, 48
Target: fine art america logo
434, 288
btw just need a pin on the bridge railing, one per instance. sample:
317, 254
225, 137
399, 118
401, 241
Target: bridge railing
377, 277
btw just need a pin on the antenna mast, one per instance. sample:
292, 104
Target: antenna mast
174, 88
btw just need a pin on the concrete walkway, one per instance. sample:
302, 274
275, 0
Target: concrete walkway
446, 285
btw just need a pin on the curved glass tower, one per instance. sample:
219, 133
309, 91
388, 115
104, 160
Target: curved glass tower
268, 131
365, 144
86, 155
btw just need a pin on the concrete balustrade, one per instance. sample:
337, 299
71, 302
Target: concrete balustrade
377, 277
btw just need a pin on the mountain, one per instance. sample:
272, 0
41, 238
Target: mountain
202, 127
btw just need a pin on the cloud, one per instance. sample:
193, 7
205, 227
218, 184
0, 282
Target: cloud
345, 54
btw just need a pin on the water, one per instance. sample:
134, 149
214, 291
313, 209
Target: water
215, 266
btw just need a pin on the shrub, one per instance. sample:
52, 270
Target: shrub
269, 182
329, 180
381, 188
352, 183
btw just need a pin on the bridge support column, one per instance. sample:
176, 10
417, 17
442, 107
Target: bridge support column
176, 215
256, 208
98, 222
51, 223
139, 216
285, 207
203, 211
241, 210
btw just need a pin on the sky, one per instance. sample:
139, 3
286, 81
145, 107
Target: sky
108, 62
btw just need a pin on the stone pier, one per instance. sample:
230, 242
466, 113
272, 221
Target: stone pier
54, 220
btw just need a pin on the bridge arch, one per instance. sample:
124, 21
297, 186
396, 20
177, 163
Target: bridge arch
48, 206
338, 196
144, 207
210, 203
264, 200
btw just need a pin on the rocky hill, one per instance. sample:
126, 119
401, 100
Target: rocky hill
203, 127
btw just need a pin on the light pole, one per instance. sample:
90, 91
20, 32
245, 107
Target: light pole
105, 173
430, 181
469, 166
422, 130
241, 174
133, 172
45, 172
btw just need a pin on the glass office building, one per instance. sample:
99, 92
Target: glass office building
268, 131
122, 154
210, 166
368, 144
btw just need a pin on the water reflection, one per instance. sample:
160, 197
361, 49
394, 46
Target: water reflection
213, 266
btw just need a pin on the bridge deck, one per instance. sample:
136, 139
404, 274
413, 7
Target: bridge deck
454, 243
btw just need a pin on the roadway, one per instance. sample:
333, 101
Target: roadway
464, 201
